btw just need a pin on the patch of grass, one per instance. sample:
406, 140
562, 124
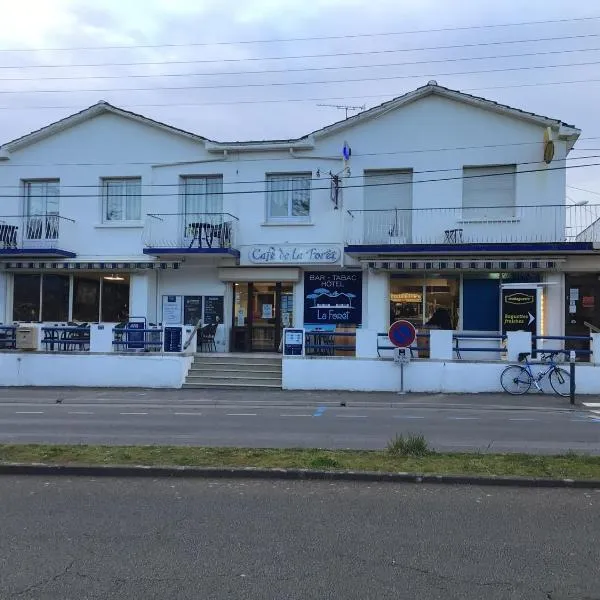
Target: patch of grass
411, 445
571, 465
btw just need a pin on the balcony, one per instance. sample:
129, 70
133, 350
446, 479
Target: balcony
448, 230
211, 234
34, 236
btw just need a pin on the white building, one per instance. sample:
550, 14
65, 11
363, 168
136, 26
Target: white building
435, 199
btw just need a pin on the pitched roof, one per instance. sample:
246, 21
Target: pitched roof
95, 110
565, 131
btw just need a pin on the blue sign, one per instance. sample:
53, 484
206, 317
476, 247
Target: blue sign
333, 297
293, 342
135, 339
172, 339
402, 334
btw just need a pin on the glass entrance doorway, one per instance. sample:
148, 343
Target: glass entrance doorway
260, 312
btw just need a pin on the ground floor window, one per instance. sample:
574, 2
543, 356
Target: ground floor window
85, 298
431, 299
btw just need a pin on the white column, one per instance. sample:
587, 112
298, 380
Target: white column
139, 295
554, 304
440, 344
595, 347
375, 311
517, 342
5, 309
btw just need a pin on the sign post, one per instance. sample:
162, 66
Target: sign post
402, 334
293, 342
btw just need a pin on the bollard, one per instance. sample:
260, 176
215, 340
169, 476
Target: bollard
572, 376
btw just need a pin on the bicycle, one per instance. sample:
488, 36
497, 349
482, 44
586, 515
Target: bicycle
517, 380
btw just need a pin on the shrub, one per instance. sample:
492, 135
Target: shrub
409, 445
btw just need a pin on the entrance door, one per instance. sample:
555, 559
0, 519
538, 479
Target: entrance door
582, 306
260, 312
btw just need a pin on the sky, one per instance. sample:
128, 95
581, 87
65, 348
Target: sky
246, 70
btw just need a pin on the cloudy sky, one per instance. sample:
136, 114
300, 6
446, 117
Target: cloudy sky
247, 70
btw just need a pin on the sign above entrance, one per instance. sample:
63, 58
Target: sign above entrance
291, 254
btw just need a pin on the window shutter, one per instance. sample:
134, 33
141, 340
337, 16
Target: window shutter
489, 192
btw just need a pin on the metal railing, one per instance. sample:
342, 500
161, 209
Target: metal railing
32, 231
134, 339
499, 224
571, 343
8, 337
66, 338
324, 343
209, 231
496, 348
418, 347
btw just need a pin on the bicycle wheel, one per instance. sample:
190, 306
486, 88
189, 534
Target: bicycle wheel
560, 380
515, 380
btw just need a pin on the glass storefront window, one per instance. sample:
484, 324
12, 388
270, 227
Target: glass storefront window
26, 297
86, 298
421, 300
115, 298
55, 297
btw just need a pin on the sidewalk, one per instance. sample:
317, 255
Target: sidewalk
285, 398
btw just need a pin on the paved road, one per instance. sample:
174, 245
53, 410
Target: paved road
258, 420
149, 539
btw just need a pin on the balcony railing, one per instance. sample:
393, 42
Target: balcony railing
211, 233
31, 233
501, 224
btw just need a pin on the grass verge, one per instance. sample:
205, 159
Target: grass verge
568, 465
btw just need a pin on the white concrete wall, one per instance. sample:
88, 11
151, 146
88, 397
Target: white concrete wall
370, 375
95, 370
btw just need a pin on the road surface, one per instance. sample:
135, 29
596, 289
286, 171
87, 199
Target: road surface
147, 539
484, 423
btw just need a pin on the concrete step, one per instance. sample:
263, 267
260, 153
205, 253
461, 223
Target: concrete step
235, 375
226, 371
247, 385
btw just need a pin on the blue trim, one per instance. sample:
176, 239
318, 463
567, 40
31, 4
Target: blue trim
33, 252
219, 251
468, 248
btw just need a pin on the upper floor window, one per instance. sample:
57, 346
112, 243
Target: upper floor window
288, 196
121, 199
202, 195
489, 192
41, 209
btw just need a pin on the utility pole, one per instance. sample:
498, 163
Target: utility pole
345, 107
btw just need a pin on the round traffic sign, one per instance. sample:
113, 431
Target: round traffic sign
402, 334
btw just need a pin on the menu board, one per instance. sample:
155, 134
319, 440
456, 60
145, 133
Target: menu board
213, 309
192, 310
173, 339
172, 310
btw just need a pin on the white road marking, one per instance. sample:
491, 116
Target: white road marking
407, 417
352, 416
295, 415
80, 412
463, 418
241, 414
595, 412
29, 412
591, 404
188, 414
521, 419
134, 413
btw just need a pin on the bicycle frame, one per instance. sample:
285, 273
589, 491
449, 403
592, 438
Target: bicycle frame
537, 378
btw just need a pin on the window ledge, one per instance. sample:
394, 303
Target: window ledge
120, 225
490, 220
287, 224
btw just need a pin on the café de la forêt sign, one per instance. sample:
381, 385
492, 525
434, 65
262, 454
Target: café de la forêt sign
292, 254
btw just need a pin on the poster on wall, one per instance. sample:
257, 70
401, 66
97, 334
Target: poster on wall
333, 297
192, 310
172, 310
213, 309
519, 310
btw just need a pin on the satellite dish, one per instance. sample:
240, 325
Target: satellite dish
548, 146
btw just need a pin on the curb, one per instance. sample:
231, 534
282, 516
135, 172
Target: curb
287, 474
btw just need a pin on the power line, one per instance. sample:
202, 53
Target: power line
328, 55
583, 190
301, 39
286, 158
360, 185
294, 83
301, 70
325, 175
287, 100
